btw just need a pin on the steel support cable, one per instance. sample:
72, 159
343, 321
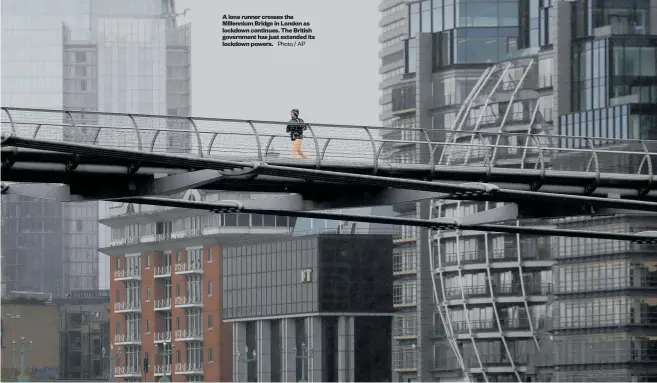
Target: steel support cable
459, 190
443, 223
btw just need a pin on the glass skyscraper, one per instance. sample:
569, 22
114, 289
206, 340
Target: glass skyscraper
87, 55
486, 307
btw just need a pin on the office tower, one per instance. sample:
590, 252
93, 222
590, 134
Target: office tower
310, 308
101, 55
518, 308
166, 287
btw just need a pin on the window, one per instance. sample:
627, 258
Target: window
210, 324
118, 327
177, 289
177, 323
80, 57
178, 256
148, 261
118, 263
118, 295
210, 356
148, 325
148, 294
209, 288
178, 357
210, 255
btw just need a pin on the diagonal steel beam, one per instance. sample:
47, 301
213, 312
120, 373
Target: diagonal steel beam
442, 223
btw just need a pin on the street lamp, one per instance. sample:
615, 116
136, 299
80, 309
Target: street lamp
247, 360
22, 377
305, 355
13, 361
112, 356
166, 352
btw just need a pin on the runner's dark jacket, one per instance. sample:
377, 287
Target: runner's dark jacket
296, 129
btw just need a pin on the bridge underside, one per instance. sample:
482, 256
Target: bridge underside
106, 173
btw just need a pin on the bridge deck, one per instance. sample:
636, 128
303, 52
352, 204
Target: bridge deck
434, 154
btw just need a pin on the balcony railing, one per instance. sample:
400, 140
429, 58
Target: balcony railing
189, 368
404, 359
163, 369
192, 300
162, 336
120, 371
185, 334
164, 303
461, 327
188, 268
162, 271
527, 253
126, 274
127, 338
127, 306
504, 289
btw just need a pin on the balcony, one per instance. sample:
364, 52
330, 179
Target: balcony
161, 370
187, 233
189, 268
189, 368
163, 304
127, 307
511, 327
124, 241
127, 372
404, 359
500, 291
189, 335
163, 271
127, 275
125, 339
162, 337
192, 301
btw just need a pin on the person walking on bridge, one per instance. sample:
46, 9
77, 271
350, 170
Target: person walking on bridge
295, 129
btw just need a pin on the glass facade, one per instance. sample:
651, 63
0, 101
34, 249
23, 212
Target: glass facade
477, 31
312, 274
101, 55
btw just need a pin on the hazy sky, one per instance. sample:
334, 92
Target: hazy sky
333, 79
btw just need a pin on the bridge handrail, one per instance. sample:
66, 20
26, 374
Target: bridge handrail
541, 144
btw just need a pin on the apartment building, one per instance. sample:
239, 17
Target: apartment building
510, 308
166, 289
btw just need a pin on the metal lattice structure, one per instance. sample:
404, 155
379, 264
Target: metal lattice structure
485, 286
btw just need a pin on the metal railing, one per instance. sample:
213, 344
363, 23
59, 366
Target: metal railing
162, 271
162, 303
127, 370
163, 370
185, 333
255, 140
191, 300
162, 336
121, 306
193, 266
503, 289
189, 367
129, 273
125, 338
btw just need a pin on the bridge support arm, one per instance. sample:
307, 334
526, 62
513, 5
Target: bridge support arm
180, 182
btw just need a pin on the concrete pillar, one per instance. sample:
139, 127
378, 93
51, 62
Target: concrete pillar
263, 350
239, 343
560, 28
288, 343
346, 349
315, 365
424, 297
